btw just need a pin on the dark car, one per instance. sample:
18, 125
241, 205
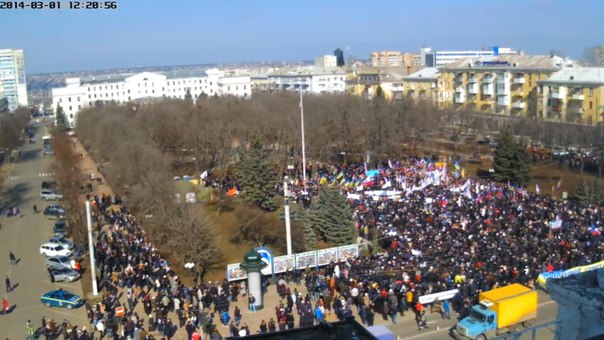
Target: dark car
49, 185
60, 227
54, 211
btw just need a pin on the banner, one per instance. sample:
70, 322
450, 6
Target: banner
326, 256
283, 263
234, 272
543, 277
307, 259
348, 252
446, 295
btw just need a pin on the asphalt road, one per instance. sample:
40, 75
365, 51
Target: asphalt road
23, 236
406, 328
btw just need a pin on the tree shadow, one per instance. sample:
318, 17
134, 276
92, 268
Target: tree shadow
13, 196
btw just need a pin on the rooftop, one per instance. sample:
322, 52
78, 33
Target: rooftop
593, 75
312, 71
510, 61
430, 73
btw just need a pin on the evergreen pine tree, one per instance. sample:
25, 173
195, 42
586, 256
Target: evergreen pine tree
60, 117
511, 161
583, 194
188, 96
257, 178
332, 218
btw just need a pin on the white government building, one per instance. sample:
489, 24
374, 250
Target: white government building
80, 93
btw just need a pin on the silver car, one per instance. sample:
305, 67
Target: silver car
49, 195
58, 262
62, 241
65, 274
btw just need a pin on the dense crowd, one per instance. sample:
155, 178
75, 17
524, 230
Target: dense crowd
437, 230
440, 231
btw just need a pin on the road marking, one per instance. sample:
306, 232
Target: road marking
42, 174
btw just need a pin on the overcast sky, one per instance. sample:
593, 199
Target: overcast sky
162, 32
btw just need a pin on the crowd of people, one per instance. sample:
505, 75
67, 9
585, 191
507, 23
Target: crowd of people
437, 230
441, 231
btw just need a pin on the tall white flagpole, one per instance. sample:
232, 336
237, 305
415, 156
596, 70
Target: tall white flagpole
303, 143
95, 290
288, 228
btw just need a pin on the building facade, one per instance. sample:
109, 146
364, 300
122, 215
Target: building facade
425, 85
308, 79
393, 59
442, 58
80, 93
327, 61
13, 85
503, 85
572, 95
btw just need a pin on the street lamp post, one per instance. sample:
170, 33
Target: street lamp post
95, 290
288, 230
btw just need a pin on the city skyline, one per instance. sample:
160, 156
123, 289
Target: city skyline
188, 33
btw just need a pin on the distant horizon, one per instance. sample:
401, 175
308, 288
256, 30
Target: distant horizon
190, 32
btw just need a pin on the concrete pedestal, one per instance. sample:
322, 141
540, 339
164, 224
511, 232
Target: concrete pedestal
253, 264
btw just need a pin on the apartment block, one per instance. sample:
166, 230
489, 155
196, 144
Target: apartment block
425, 85
503, 85
573, 95
13, 87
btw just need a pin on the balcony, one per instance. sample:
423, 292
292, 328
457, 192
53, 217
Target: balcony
487, 89
473, 88
578, 96
519, 80
575, 109
502, 79
503, 100
556, 95
519, 105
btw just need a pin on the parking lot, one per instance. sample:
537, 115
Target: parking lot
23, 235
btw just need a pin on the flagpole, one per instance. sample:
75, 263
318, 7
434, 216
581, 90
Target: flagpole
303, 143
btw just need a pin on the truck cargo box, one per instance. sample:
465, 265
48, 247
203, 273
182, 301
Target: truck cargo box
513, 304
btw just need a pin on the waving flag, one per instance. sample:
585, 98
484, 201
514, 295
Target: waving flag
557, 223
594, 230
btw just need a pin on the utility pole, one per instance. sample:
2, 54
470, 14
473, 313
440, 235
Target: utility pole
288, 229
95, 290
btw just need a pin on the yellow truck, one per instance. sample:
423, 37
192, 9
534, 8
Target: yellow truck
499, 311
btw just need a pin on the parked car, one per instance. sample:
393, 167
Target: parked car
61, 298
62, 241
58, 262
60, 228
49, 185
49, 195
48, 151
54, 211
65, 274
54, 249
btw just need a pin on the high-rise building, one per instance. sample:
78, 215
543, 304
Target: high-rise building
442, 58
327, 61
12, 78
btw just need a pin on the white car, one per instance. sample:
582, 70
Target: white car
54, 249
49, 195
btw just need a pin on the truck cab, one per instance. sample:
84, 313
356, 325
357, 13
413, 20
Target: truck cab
480, 322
